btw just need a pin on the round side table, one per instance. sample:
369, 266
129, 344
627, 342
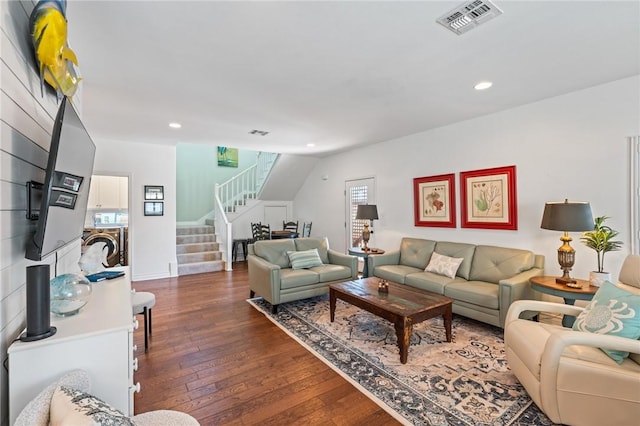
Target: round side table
360, 252
549, 285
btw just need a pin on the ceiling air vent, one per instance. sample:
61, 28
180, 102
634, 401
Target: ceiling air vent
469, 15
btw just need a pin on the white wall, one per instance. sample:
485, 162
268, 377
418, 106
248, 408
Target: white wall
197, 174
152, 239
572, 146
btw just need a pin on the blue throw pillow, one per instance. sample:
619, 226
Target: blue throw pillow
612, 311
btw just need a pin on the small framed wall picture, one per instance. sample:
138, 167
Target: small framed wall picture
153, 192
434, 201
488, 198
153, 208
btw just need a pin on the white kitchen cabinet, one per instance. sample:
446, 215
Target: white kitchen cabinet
99, 339
108, 192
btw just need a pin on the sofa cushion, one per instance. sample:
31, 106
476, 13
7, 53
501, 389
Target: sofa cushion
463, 250
314, 243
474, 292
304, 259
416, 252
332, 272
275, 251
613, 311
492, 264
430, 281
74, 407
292, 278
443, 265
395, 273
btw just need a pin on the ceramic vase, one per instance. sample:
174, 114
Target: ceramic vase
597, 278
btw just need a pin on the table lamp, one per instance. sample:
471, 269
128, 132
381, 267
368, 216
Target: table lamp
567, 217
366, 212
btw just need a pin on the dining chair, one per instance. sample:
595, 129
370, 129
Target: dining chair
265, 232
290, 226
306, 229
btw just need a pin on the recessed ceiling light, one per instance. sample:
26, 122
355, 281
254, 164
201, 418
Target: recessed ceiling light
483, 85
311, 145
175, 125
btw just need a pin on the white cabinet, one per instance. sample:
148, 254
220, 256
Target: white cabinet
99, 339
108, 192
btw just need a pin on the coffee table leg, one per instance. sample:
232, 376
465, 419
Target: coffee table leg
448, 319
332, 304
403, 332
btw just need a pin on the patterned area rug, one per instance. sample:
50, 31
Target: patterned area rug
465, 382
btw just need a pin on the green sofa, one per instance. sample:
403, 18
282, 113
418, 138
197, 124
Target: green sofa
487, 281
272, 277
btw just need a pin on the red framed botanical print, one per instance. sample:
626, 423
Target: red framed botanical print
488, 198
434, 201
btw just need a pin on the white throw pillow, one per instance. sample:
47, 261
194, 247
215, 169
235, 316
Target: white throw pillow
444, 265
304, 259
73, 407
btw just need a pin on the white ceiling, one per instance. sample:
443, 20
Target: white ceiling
335, 74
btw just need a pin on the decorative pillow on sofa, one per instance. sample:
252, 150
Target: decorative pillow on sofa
73, 407
612, 311
304, 259
444, 265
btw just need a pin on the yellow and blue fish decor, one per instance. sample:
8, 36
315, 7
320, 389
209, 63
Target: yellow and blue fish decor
48, 26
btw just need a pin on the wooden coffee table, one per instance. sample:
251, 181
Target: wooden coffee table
403, 306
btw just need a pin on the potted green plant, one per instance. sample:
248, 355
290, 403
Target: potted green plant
601, 239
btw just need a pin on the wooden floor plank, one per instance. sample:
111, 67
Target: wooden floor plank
214, 356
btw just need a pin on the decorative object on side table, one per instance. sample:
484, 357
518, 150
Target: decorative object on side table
601, 240
567, 217
69, 293
367, 212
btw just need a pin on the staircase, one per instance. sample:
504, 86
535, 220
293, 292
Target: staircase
197, 250
246, 185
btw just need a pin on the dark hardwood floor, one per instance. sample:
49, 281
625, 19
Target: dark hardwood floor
215, 357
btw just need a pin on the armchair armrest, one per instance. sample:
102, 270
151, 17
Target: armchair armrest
264, 278
516, 288
520, 306
389, 258
349, 261
554, 348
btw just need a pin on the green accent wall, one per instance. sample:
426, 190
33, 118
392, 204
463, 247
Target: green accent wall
197, 173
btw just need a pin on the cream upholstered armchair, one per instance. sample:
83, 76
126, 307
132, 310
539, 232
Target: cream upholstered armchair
565, 371
68, 402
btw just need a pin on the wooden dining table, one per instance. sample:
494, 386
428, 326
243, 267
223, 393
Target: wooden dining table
275, 235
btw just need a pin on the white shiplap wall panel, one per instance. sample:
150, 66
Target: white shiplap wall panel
12, 224
26, 122
15, 23
22, 122
17, 170
12, 196
40, 110
22, 147
15, 302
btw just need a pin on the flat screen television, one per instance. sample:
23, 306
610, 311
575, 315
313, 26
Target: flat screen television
65, 191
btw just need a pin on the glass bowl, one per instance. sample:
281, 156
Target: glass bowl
69, 293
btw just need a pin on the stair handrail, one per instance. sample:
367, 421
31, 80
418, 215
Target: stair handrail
226, 231
234, 192
246, 184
